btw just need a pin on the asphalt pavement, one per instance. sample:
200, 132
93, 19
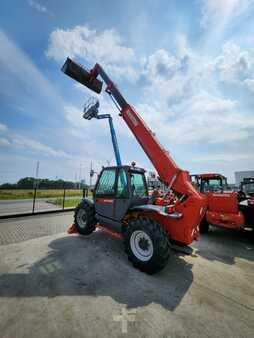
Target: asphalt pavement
8, 207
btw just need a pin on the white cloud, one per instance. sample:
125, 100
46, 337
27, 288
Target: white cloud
235, 67
37, 147
37, 6
3, 127
206, 118
4, 142
92, 46
182, 101
182, 45
234, 64
161, 64
249, 83
173, 78
220, 13
224, 157
27, 143
88, 44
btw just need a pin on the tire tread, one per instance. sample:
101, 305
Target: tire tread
91, 221
160, 243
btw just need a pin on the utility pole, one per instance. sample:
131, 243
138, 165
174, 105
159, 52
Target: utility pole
37, 174
91, 173
36, 183
75, 179
80, 168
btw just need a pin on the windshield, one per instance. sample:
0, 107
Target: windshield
212, 184
248, 188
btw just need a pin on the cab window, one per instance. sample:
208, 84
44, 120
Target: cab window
122, 185
106, 184
212, 184
138, 185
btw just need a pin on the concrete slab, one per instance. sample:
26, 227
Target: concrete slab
74, 286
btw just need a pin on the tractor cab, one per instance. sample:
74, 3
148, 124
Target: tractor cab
247, 187
118, 189
222, 209
209, 182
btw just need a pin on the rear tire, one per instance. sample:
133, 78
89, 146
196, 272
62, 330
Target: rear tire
204, 226
146, 244
84, 218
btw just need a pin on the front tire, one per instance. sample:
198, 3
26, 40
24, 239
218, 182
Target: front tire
146, 244
84, 218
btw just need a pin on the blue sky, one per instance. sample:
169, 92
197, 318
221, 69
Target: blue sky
186, 66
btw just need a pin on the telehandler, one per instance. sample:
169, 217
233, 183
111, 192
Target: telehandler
225, 208
120, 198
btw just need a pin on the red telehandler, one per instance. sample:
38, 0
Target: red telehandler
120, 198
226, 209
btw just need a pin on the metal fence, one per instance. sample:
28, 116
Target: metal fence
38, 200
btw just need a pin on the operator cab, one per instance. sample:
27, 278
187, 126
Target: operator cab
246, 189
209, 183
118, 189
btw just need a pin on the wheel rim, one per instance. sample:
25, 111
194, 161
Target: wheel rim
82, 218
141, 245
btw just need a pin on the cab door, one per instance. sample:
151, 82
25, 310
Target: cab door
138, 186
122, 199
105, 191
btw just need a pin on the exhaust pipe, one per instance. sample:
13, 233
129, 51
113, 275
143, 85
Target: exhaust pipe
81, 75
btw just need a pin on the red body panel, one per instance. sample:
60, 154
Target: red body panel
185, 229
223, 210
161, 201
223, 202
227, 220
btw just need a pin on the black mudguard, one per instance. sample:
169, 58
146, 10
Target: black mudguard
248, 213
88, 201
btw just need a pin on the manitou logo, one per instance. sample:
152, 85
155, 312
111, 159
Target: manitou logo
132, 118
104, 200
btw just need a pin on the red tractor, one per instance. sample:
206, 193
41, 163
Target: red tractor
120, 200
225, 208
247, 188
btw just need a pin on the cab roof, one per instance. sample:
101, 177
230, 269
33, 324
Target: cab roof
209, 175
126, 167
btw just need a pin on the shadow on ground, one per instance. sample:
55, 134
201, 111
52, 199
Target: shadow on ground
97, 266
225, 245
